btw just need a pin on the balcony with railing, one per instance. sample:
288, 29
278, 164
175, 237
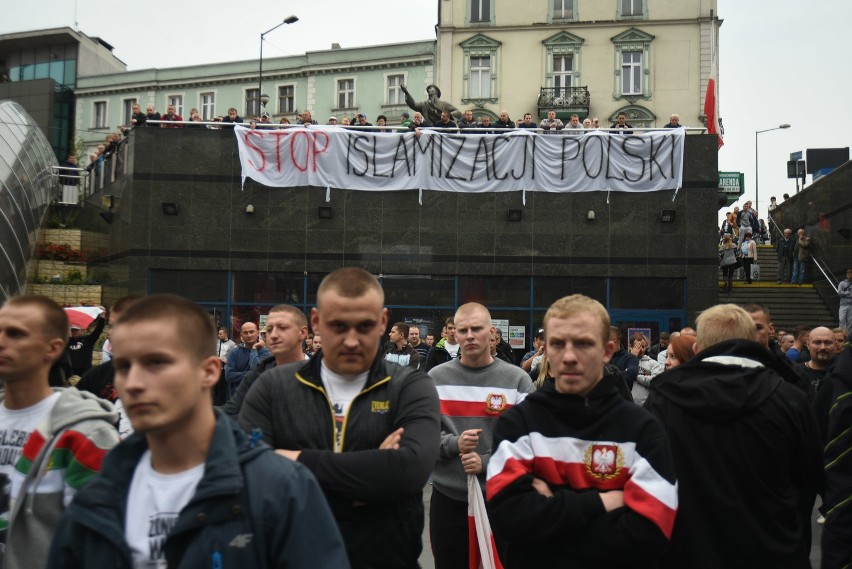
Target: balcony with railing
564, 100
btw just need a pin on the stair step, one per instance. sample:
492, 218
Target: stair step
789, 305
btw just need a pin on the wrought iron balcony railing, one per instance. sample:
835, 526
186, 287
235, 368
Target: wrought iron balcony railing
563, 98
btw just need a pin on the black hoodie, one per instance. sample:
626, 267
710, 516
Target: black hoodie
557, 437
747, 455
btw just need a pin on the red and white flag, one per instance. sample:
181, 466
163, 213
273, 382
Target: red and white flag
711, 97
482, 549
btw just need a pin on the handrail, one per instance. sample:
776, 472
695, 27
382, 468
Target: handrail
217, 125
826, 272
777, 227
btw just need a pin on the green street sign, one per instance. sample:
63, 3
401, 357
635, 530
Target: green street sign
732, 185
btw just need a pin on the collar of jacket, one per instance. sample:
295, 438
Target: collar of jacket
311, 371
102, 505
576, 409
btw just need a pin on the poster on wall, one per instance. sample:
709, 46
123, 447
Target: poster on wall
633, 331
518, 337
423, 324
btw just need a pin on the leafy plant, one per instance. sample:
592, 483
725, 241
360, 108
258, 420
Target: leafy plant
74, 277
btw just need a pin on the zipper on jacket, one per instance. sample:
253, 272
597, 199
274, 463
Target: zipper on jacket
331, 411
216, 555
346, 416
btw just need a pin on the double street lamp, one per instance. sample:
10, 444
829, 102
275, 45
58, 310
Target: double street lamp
260, 96
757, 162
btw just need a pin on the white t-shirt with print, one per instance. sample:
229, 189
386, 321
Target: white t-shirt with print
341, 390
453, 349
16, 425
153, 505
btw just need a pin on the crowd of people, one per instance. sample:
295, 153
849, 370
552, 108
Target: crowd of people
739, 235
452, 119
706, 448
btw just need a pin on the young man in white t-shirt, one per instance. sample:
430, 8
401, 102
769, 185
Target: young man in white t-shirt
446, 349
190, 488
52, 441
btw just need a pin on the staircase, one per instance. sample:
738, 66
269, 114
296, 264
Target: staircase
789, 305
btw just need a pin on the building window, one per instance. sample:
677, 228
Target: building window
127, 111
480, 10
633, 65
345, 93
286, 99
175, 101
208, 106
252, 103
631, 7
631, 73
481, 61
480, 77
563, 71
631, 10
100, 114
563, 9
395, 96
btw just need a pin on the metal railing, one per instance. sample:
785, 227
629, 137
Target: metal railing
492, 129
832, 280
564, 97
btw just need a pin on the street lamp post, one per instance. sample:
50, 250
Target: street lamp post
757, 162
287, 20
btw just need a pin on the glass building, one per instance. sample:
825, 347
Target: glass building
27, 183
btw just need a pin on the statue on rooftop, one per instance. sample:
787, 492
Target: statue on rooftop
431, 108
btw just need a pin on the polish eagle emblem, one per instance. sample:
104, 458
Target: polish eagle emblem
495, 403
604, 461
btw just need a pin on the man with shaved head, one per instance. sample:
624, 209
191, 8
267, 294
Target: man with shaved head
244, 357
822, 347
475, 389
367, 429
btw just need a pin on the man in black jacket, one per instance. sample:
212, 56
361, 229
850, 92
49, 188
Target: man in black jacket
746, 450
368, 430
80, 346
785, 248
627, 363
286, 329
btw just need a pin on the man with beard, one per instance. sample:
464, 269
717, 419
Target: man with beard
821, 345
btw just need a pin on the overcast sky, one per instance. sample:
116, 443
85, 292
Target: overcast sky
781, 61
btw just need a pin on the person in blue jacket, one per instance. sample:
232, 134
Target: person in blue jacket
189, 489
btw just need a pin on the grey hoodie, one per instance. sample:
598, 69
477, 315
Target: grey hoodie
60, 456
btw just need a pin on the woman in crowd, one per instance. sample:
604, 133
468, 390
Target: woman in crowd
543, 372
728, 262
679, 351
749, 255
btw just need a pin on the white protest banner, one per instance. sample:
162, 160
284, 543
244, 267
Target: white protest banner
334, 157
